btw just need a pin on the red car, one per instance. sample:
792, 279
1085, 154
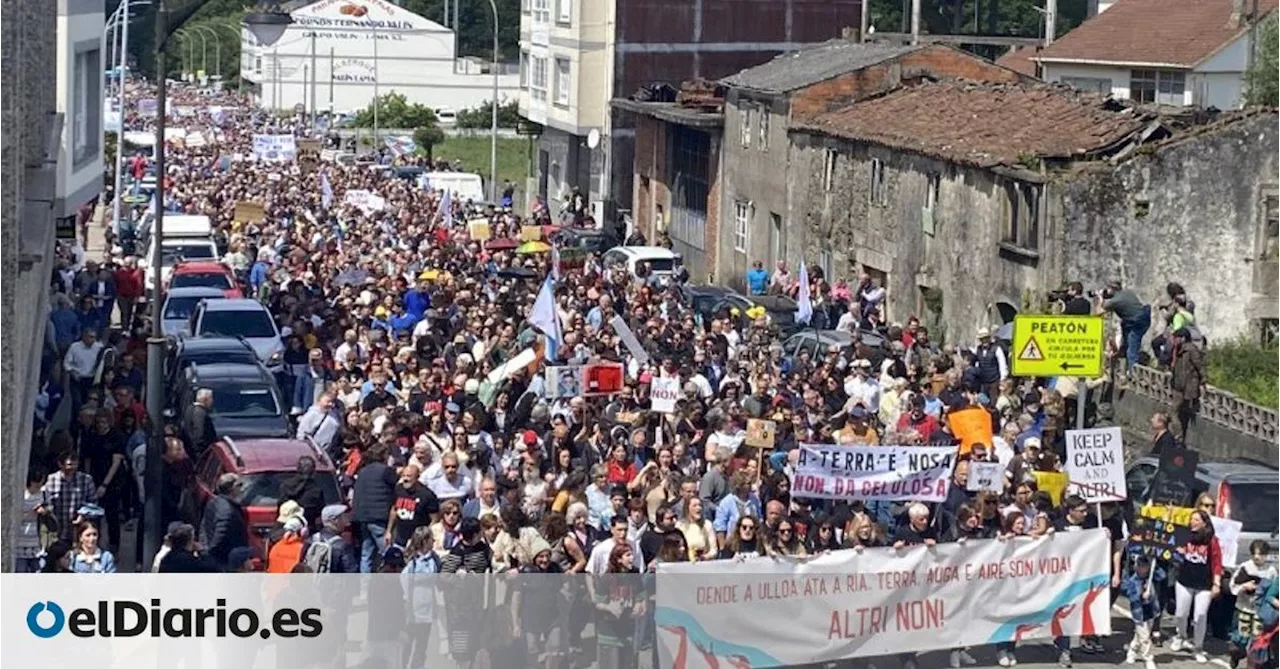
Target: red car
262, 465
205, 274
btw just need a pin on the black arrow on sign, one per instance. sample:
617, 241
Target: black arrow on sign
1067, 365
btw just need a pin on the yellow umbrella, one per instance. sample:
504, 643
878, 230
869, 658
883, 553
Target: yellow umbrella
533, 247
429, 275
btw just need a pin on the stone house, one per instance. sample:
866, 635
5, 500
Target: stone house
971, 201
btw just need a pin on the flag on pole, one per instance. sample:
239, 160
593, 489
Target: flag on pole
446, 207
545, 318
326, 190
804, 303
555, 262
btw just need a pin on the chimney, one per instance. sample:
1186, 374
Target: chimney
1237, 14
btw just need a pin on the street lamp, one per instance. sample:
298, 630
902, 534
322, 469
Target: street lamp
267, 24
493, 121
217, 50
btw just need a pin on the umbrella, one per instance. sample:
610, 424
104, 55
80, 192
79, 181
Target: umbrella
501, 244
528, 248
517, 273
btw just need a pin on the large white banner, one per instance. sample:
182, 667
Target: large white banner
275, 148
847, 604
921, 473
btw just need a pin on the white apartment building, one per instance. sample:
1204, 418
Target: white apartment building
80, 73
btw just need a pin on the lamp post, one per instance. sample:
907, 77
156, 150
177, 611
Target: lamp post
493, 121
268, 25
217, 49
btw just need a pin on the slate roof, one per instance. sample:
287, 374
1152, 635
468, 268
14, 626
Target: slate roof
984, 124
795, 70
1179, 33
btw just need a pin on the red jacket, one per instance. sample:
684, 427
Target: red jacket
129, 282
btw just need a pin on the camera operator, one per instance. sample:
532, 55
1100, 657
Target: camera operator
1134, 315
1074, 303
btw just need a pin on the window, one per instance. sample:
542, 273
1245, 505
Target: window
538, 79
1270, 228
829, 170
524, 6
764, 128
1158, 86
542, 11
1092, 84
741, 221
524, 69
564, 11
745, 128
86, 130
933, 185
878, 190
1022, 215
257, 64
562, 81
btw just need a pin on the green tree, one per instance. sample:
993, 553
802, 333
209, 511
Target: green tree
428, 137
395, 111
481, 116
475, 32
1261, 86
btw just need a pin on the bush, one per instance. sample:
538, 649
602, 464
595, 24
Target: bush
481, 117
1247, 369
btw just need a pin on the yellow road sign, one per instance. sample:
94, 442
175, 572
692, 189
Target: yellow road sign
1057, 346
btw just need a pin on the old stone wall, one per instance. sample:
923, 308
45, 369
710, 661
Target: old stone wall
844, 231
754, 174
1190, 211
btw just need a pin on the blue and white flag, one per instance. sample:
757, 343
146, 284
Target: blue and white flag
804, 303
400, 145
555, 262
446, 207
326, 190
424, 181
545, 318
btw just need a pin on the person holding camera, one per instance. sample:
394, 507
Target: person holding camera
1134, 315
1074, 303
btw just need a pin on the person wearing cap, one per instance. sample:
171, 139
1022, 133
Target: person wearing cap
1187, 379
857, 431
990, 363
1134, 315
241, 560
861, 387
334, 520
286, 552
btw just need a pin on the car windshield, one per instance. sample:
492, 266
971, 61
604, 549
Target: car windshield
661, 264
201, 280
171, 253
248, 324
263, 488
180, 307
1255, 505
245, 402
241, 356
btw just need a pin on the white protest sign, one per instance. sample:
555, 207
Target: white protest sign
565, 381
274, 148
986, 477
664, 391
1227, 532
629, 339
1095, 464
920, 473
845, 604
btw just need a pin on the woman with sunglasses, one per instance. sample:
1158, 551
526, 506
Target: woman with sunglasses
784, 541
1197, 584
822, 538
743, 540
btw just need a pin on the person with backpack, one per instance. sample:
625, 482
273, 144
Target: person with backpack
286, 553
328, 551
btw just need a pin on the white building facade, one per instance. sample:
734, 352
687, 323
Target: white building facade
339, 54
80, 71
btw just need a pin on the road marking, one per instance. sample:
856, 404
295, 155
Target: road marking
1123, 611
1221, 663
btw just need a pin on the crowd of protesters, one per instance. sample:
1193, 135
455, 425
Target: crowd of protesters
399, 328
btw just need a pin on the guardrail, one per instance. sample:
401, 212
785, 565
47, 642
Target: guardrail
1216, 405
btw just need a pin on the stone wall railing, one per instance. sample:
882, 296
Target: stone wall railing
1216, 405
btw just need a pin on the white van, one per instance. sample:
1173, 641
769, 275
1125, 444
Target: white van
663, 262
464, 185
186, 237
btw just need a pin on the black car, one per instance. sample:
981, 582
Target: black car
247, 402
588, 241
188, 351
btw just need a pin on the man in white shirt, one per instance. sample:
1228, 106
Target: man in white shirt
598, 563
80, 362
351, 350
861, 388
449, 480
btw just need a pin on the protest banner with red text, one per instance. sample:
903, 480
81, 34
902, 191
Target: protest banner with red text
826, 471
881, 601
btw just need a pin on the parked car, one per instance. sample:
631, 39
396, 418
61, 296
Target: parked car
244, 318
188, 351
246, 399
205, 274
263, 465
809, 340
179, 303
705, 301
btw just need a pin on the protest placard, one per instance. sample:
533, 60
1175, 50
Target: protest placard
250, 212
920, 473
530, 233
1095, 464
761, 433
478, 229
664, 392
1161, 529
971, 426
564, 381
1053, 483
629, 339
274, 148
986, 477
880, 601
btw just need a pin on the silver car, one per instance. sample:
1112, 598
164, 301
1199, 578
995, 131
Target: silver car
180, 303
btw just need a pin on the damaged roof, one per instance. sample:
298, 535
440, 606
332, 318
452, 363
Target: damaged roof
1173, 33
985, 124
795, 70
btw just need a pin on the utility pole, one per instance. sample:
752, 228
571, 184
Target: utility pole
1050, 21
376, 101
331, 55
123, 53
314, 75
915, 22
